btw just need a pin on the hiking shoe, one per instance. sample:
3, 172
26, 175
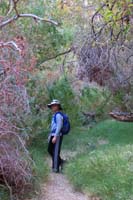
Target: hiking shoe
55, 170
63, 162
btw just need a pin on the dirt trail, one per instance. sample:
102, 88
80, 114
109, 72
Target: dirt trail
59, 188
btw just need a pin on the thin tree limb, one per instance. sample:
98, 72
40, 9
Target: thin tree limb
8, 21
10, 44
39, 18
11, 6
28, 15
60, 54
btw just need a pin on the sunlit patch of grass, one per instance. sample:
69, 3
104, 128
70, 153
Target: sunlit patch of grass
105, 170
114, 131
107, 174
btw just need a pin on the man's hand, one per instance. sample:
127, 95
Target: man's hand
54, 139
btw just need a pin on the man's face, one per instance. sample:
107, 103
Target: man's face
55, 108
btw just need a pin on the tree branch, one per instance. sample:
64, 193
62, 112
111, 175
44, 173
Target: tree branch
35, 17
11, 6
39, 18
10, 44
60, 54
8, 21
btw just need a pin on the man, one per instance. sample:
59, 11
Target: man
55, 136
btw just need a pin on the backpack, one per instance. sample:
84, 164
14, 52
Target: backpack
66, 123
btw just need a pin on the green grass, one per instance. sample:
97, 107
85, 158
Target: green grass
4, 193
77, 140
103, 170
114, 131
38, 150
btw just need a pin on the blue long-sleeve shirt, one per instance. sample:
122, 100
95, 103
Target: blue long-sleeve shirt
56, 126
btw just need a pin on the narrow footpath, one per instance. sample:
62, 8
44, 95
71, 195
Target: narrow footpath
59, 188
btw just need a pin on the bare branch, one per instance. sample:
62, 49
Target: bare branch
39, 18
11, 6
35, 17
8, 21
60, 54
10, 44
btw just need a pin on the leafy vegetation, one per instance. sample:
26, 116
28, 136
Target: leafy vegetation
79, 52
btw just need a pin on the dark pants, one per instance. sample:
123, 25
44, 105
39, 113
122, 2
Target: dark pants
54, 151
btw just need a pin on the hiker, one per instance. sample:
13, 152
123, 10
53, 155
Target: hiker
59, 126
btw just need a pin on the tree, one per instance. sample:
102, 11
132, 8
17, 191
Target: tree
106, 54
16, 64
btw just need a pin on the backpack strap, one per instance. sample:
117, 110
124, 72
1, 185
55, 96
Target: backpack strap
56, 114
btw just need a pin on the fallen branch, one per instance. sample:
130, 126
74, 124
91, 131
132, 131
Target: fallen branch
122, 116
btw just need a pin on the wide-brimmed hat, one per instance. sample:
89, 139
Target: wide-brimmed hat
54, 102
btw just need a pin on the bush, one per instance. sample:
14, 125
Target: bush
15, 162
94, 99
